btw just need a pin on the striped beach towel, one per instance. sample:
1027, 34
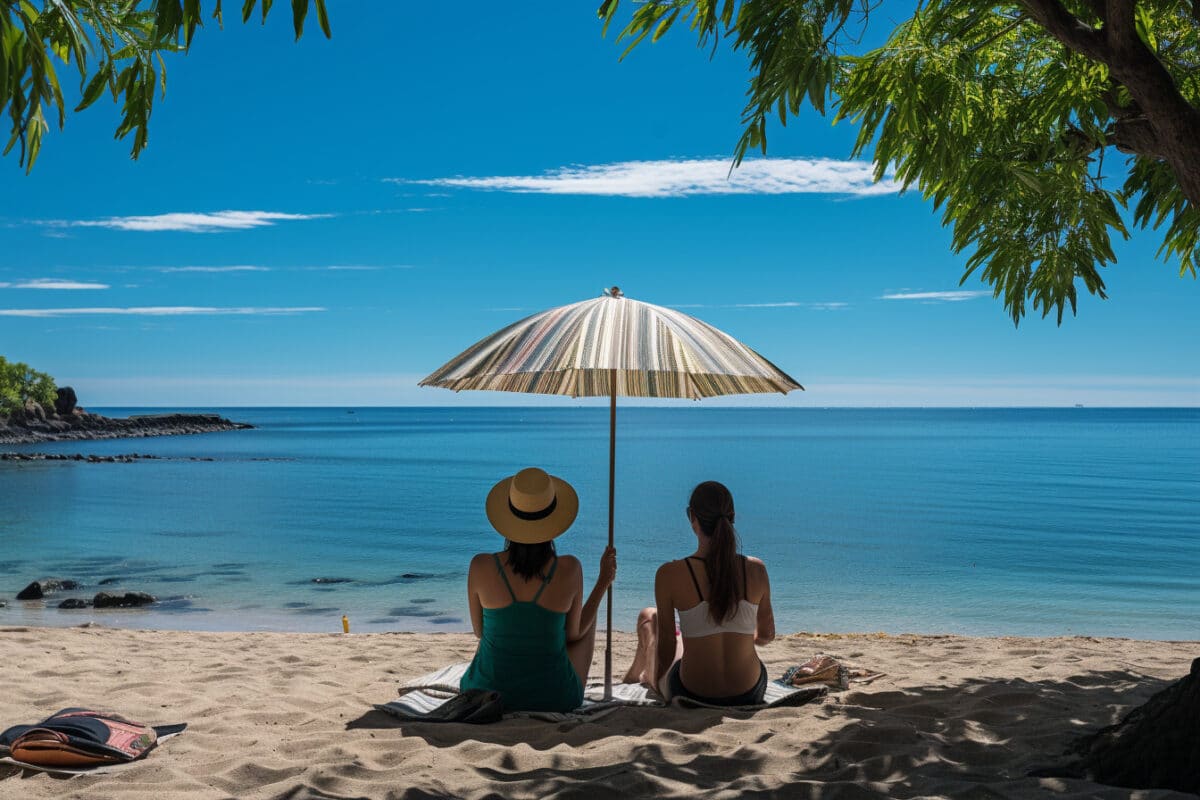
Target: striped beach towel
438, 687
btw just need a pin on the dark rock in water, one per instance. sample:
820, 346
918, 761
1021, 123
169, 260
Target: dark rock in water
423, 600
65, 401
31, 592
445, 621
127, 600
109, 581
412, 576
332, 580
296, 605
74, 602
2, 604
56, 585
413, 611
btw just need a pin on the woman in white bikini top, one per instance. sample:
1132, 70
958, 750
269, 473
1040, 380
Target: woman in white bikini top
723, 600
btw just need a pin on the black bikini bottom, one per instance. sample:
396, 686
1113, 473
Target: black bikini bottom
751, 698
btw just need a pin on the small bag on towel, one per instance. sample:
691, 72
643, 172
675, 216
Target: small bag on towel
80, 737
475, 706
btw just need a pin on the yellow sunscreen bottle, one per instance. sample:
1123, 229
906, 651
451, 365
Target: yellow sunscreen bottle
345, 624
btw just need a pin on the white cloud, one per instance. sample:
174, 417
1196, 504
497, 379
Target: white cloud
948, 297
53, 283
194, 222
241, 268
156, 311
214, 269
680, 178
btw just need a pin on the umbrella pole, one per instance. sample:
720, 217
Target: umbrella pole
612, 475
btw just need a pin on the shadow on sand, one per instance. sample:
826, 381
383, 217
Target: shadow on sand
978, 738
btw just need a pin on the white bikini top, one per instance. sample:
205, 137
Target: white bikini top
696, 622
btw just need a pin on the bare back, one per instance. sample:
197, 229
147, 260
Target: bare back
719, 664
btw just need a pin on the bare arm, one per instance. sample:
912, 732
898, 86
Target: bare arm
664, 652
586, 614
765, 627
473, 595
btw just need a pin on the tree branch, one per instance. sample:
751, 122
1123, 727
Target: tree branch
1068, 29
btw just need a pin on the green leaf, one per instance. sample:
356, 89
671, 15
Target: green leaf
299, 12
323, 19
95, 87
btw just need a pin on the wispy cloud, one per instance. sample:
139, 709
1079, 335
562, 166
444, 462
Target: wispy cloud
247, 268
945, 297
190, 222
681, 178
215, 269
157, 311
53, 284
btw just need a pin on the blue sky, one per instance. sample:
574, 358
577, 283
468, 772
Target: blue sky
325, 222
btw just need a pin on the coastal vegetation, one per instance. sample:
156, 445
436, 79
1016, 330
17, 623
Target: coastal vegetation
116, 46
20, 383
1010, 117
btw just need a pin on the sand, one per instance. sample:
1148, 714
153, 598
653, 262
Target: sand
289, 716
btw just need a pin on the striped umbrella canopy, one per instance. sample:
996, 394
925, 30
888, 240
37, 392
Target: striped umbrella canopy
575, 350
612, 346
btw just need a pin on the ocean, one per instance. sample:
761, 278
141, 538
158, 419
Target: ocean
1075, 521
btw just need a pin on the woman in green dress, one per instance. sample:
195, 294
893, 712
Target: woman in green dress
536, 630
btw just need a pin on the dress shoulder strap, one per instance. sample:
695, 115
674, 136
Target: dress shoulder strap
745, 579
507, 585
688, 563
546, 580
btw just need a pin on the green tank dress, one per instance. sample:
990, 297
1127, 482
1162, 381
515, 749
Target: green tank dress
523, 655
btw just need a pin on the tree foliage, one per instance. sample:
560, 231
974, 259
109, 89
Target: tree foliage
19, 382
1039, 128
115, 47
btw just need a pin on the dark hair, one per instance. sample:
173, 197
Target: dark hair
527, 560
712, 506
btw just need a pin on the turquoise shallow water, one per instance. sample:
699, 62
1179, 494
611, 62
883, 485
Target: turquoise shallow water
989, 521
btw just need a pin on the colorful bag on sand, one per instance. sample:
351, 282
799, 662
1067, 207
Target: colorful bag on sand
818, 669
79, 737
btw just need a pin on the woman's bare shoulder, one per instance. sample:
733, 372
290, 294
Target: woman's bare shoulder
480, 560
756, 565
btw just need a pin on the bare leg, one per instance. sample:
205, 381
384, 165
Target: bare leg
580, 653
643, 659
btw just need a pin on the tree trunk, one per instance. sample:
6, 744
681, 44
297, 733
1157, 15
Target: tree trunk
1156, 746
1169, 128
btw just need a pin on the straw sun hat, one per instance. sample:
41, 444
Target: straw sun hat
532, 506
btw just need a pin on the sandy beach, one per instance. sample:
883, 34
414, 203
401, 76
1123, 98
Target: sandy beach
290, 716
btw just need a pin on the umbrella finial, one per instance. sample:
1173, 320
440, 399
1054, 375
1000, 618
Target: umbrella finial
614, 291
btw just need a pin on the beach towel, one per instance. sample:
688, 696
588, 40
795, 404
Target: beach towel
422, 697
80, 740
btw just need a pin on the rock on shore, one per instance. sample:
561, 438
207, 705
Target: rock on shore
38, 425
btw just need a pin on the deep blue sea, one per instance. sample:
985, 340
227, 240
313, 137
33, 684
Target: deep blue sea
976, 521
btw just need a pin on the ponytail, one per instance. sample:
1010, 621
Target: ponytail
712, 505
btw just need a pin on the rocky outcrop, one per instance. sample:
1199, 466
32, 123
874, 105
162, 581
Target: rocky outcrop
74, 602
65, 401
122, 458
31, 592
34, 425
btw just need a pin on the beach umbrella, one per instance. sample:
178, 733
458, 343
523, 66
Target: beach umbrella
612, 346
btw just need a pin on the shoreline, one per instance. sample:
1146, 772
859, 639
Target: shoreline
291, 715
